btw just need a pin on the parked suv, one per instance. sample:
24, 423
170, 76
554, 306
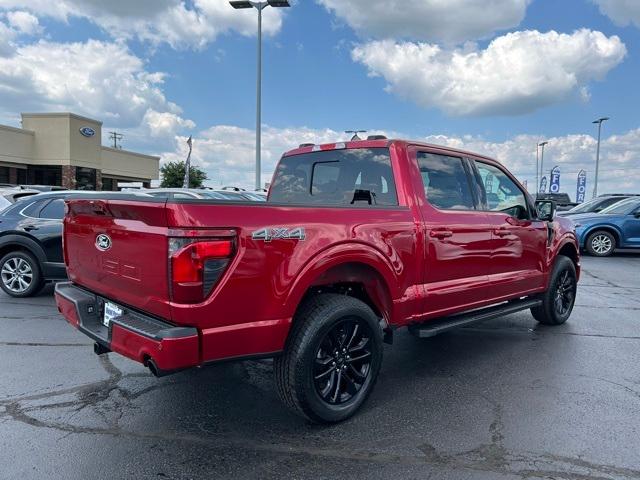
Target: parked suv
355, 241
31, 242
595, 205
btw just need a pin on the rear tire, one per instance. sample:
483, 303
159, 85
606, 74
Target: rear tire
332, 358
20, 274
601, 244
559, 299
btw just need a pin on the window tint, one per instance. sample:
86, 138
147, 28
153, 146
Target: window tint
361, 176
33, 209
54, 209
502, 194
445, 180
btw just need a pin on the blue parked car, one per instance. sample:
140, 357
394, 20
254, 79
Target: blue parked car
617, 226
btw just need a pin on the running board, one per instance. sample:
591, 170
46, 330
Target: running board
432, 328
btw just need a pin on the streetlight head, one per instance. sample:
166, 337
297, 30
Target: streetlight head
241, 4
600, 120
278, 3
542, 144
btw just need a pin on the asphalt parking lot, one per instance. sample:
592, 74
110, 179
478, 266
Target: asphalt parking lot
506, 399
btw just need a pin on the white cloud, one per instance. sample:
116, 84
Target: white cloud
449, 21
6, 39
163, 124
98, 79
517, 73
157, 21
24, 22
622, 12
227, 154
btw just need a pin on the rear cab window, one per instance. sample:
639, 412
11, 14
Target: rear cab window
358, 177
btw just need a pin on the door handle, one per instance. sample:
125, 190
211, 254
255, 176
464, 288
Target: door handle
28, 228
441, 234
502, 232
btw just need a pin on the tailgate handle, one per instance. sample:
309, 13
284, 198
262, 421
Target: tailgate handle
441, 234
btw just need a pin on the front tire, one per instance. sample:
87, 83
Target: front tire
332, 358
560, 297
20, 274
601, 244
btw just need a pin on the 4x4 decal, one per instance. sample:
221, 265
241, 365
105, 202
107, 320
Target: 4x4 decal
279, 233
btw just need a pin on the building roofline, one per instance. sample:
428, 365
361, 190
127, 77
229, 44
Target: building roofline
61, 114
128, 152
17, 130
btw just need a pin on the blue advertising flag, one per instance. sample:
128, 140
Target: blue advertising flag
543, 184
554, 186
582, 186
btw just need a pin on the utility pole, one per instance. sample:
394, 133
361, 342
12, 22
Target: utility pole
115, 136
595, 182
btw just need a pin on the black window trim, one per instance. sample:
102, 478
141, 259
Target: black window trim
478, 179
466, 168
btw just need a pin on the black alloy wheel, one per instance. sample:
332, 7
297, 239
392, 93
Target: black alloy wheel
343, 361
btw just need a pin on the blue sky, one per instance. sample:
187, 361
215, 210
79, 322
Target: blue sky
329, 65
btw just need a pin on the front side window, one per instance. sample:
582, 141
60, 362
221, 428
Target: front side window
446, 183
359, 177
502, 193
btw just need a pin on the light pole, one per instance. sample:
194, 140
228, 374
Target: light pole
537, 184
595, 184
259, 6
541, 144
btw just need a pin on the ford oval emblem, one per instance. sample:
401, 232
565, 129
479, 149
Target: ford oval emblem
87, 131
103, 242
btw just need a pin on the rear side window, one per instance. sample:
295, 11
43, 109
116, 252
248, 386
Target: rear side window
53, 210
33, 209
446, 183
358, 177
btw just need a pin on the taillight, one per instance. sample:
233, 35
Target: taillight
196, 265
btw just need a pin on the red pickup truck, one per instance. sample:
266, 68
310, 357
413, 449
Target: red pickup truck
357, 240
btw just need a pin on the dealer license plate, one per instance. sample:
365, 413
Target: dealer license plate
111, 311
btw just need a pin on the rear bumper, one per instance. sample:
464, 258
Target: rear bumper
152, 342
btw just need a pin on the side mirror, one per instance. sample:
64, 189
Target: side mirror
637, 214
546, 210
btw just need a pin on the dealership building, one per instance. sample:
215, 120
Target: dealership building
66, 150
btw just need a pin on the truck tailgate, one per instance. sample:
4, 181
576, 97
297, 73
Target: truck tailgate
118, 249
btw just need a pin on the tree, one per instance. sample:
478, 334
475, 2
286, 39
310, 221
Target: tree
173, 175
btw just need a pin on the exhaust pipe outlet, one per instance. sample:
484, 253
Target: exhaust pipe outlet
157, 371
100, 349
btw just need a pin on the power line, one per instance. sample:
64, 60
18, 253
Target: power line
115, 136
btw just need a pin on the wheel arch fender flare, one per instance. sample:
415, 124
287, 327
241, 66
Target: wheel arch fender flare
607, 227
23, 242
372, 269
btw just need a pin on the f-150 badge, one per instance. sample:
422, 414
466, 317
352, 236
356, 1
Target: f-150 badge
279, 233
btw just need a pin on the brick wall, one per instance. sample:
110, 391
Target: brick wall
99, 180
69, 177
